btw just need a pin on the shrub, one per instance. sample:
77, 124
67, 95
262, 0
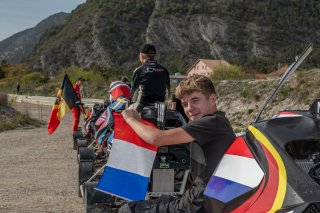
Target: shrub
15, 72
6, 126
249, 111
284, 92
257, 97
232, 72
245, 92
26, 120
95, 82
34, 79
2, 73
19, 120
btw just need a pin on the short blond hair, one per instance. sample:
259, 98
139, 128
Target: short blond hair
194, 83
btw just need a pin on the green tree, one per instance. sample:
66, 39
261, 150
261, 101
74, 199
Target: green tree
34, 79
232, 72
2, 74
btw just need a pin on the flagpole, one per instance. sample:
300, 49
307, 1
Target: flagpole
95, 174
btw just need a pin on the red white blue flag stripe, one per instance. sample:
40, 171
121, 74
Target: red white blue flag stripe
104, 127
129, 165
101, 118
286, 115
237, 173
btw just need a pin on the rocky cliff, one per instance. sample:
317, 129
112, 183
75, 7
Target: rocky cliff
106, 35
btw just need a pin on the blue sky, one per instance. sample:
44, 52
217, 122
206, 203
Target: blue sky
18, 15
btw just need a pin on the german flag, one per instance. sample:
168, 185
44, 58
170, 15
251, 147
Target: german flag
66, 100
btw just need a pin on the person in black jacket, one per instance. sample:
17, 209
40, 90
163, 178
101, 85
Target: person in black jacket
150, 78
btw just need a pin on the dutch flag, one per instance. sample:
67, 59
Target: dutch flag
286, 115
237, 173
129, 165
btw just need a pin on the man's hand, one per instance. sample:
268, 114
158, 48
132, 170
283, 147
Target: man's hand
130, 114
81, 109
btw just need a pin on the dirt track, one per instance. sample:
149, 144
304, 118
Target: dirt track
38, 172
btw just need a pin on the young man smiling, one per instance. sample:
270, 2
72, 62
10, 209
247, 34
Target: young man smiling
210, 135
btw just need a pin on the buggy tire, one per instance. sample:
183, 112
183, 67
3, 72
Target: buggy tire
93, 198
86, 153
82, 142
84, 173
76, 135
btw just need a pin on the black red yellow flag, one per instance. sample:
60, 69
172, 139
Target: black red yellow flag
66, 100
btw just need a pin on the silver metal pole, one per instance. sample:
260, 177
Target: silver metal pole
95, 174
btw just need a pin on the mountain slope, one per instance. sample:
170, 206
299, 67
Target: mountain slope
242, 100
96, 35
107, 34
19, 45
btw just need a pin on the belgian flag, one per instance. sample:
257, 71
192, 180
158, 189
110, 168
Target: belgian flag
66, 100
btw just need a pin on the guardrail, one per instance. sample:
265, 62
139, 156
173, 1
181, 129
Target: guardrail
49, 100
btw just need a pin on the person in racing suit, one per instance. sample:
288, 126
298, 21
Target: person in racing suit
151, 78
78, 109
210, 135
119, 98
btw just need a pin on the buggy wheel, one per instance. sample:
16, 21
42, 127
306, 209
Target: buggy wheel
81, 142
76, 135
86, 153
96, 201
84, 173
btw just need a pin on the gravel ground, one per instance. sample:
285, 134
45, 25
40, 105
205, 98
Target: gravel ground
38, 172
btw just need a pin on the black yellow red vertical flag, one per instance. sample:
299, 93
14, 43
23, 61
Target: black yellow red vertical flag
66, 100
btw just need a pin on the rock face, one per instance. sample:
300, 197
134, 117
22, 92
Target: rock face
18, 46
107, 34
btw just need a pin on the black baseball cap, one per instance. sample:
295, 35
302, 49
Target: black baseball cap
148, 49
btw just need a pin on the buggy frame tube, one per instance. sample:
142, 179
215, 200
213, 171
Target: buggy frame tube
292, 68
